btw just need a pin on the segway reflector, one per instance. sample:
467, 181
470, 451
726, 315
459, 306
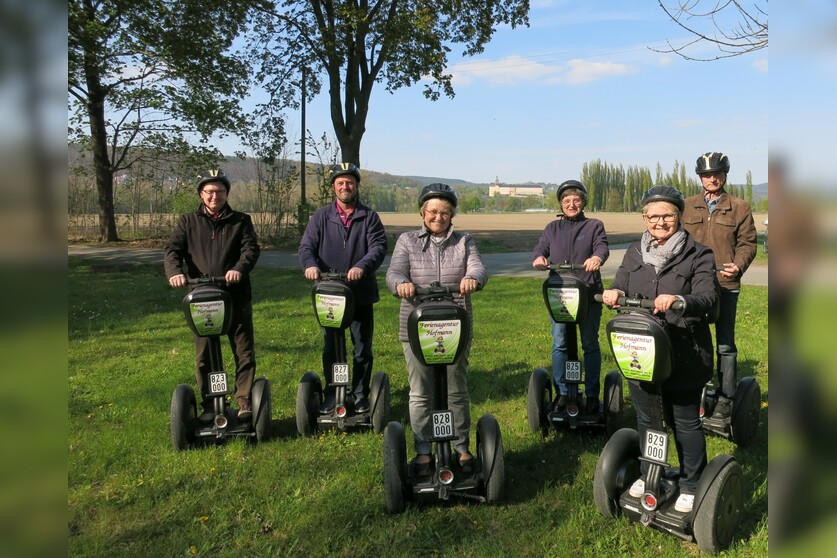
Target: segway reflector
649, 501
445, 475
220, 421
341, 411
572, 410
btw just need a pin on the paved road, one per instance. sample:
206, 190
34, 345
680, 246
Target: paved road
516, 264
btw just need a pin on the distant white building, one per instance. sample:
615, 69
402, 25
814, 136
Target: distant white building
514, 191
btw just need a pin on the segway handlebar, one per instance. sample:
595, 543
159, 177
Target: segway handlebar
332, 275
637, 302
566, 266
206, 280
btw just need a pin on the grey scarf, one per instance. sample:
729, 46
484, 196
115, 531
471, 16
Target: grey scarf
657, 255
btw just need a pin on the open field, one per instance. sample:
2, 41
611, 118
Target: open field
130, 494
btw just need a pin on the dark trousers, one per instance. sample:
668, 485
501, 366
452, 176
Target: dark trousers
681, 410
243, 347
361, 329
725, 342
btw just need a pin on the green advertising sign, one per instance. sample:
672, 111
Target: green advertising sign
439, 340
634, 355
330, 309
208, 317
563, 303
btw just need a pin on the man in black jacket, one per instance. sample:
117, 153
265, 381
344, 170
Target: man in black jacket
215, 240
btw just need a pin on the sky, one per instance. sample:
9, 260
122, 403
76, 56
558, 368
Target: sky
579, 84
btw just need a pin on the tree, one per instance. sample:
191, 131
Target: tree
353, 45
735, 28
148, 73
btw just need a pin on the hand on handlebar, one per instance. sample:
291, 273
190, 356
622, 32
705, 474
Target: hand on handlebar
178, 280
232, 277
354, 274
405, 290
468, 285
664, 302
611, 298
312, 273
540, 263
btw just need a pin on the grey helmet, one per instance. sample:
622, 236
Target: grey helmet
342, 169
216, 176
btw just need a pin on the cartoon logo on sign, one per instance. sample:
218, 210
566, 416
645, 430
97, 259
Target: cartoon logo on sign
330, 309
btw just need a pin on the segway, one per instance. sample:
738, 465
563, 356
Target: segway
740, 423
333, 303
566, 298
438, 331
208, 309
642, 350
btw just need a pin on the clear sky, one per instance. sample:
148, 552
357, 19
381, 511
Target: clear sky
579, 84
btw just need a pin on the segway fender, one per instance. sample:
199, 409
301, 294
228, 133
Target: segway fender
620, 449
712, 469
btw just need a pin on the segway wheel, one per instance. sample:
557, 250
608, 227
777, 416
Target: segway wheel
719, 513
379, 401
308, 398
262, 408
746, 408
614, 402
617, 468
395, 467
492, 457
182, 417
538, 399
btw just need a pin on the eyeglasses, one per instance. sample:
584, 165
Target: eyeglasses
434, 213
654, 219
215, 192
571, 201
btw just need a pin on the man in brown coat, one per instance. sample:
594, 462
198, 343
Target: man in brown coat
723, 222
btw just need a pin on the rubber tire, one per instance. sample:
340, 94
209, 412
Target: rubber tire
262, 409
616, 469
182, 417
395, 467
309, 395
538, 399
614, 402
492, 457
379, 401
719, 513
746, 410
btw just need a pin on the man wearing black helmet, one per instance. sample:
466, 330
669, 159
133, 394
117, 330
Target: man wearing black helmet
725, 224
215, 240
349, 237
667, 265
436, 252
575, 238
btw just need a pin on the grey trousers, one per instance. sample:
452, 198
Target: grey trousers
421, 400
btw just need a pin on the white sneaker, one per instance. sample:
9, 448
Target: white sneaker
685, 503
637, 488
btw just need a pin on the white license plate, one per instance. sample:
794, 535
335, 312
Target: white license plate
340, 374
656, 446
218, 382
572, 372
442, 424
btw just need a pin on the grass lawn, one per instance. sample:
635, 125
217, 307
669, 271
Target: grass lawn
131, 494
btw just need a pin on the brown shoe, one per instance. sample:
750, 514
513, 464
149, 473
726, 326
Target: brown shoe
244, 412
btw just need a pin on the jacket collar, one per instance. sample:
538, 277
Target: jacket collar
425, 236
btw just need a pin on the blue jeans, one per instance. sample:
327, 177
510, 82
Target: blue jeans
589, 332
726, 350
362, 328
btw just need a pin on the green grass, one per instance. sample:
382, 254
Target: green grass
131, 494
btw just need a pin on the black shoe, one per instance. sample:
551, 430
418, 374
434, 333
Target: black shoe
559, 404
592, 406
206, 417
327, 406
723, 407
361, 404
467, 465
423, 469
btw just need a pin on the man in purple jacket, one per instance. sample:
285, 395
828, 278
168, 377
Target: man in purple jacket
576, 239
349, 237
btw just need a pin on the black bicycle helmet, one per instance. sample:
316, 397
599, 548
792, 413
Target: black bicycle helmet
437, 190
714, 161
664, 194
216, 176
572, 184
342, 169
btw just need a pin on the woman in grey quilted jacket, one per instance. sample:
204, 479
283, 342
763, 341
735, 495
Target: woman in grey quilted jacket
436, 252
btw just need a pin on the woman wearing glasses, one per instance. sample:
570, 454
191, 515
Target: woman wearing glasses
436, 252
575, 238
668, 265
